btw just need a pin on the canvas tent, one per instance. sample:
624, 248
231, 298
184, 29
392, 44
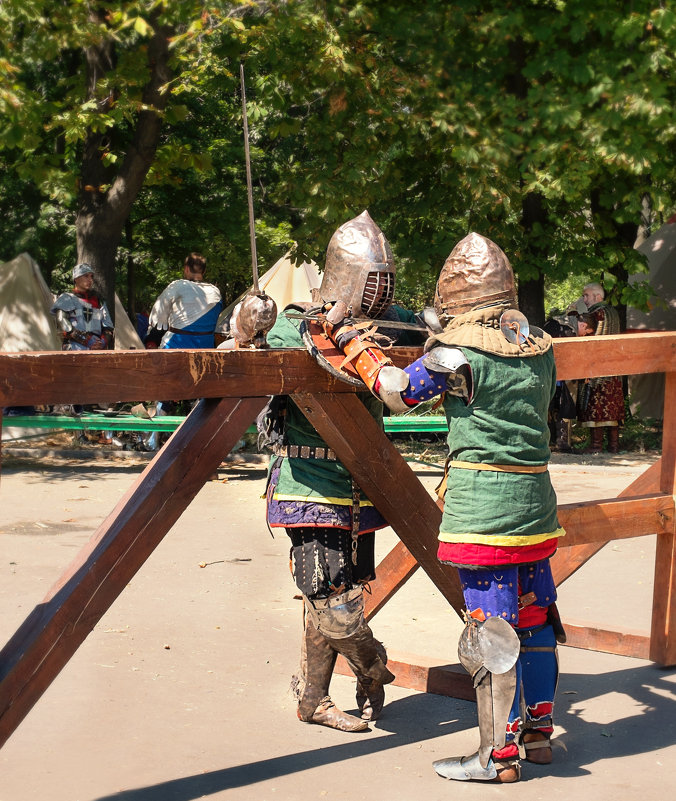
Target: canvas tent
285, 283
25, 300
25, 320
647, 391
126, 336
27, 324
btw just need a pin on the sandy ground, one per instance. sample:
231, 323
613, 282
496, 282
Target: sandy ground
182, 690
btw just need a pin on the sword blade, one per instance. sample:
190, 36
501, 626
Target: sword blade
374, 323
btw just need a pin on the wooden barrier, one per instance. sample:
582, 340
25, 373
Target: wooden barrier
234, 386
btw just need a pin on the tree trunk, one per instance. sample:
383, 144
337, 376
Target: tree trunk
532, 300
131, 271
532, 292
106, 198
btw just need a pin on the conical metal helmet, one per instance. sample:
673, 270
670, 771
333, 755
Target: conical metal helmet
359, 268
476, 273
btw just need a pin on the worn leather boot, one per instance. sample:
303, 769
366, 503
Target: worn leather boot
367, 659
538, 747
311, 684
596, 443
328, 714
613, 439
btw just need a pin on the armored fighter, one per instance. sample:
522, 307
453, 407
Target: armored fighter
331, 524
82, 316
499, 527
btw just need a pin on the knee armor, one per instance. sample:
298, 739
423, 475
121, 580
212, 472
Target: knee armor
338, 616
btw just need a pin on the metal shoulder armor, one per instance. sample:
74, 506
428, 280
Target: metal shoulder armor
444, 359
66, 302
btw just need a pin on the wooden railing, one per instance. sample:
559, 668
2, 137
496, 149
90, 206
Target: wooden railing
234, 386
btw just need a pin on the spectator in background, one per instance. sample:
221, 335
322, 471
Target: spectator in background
85, 323
187, 310
601, 403
82, 316
563, 407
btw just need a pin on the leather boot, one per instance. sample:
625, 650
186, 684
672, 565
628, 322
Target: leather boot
371, 703
613, 439
311, 684
537, 746
596, 444
367, 658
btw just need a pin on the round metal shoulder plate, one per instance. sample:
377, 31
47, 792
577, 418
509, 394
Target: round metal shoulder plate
326, 354
514, 326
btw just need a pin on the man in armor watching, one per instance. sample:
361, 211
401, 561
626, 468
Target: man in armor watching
499, 525
82, 316
330, 522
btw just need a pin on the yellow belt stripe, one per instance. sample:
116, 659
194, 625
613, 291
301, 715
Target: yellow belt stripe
500, 468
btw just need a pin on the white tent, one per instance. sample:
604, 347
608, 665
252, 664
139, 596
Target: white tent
647, 391
285, 283
660, 249
25, 320
26, 324
126, 336
25, 300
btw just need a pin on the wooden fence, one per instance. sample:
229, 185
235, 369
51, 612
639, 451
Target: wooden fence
234, 386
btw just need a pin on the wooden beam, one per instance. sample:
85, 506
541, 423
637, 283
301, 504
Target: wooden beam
568, 559
386, 479
112, 376
663, 626
38, 378
54, 630
616, 519
622, 643
622, 354
425, 675
392, 573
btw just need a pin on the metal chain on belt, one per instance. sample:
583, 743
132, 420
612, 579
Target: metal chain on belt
355, 520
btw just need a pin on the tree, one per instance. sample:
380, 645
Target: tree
542, 124
93, 87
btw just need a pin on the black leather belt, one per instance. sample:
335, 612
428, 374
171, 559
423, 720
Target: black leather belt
306, 452
190, 333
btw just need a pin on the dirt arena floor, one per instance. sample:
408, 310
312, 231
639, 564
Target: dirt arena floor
182, 690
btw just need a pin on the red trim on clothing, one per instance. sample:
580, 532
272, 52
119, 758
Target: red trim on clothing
89, 297
532, 616
510, 751
471, 554
540, 710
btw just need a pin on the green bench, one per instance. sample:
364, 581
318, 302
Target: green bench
124, 421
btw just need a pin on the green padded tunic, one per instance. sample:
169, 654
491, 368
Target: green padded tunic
502, 424
314, 480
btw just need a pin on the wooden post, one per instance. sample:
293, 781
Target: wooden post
54, 630
663, 628
388, 482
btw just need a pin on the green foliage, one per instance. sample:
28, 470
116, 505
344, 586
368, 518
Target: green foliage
542, 124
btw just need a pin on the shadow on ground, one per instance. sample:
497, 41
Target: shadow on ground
649, 693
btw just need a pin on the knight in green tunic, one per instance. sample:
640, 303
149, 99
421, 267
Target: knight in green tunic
330, 522
499, 524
